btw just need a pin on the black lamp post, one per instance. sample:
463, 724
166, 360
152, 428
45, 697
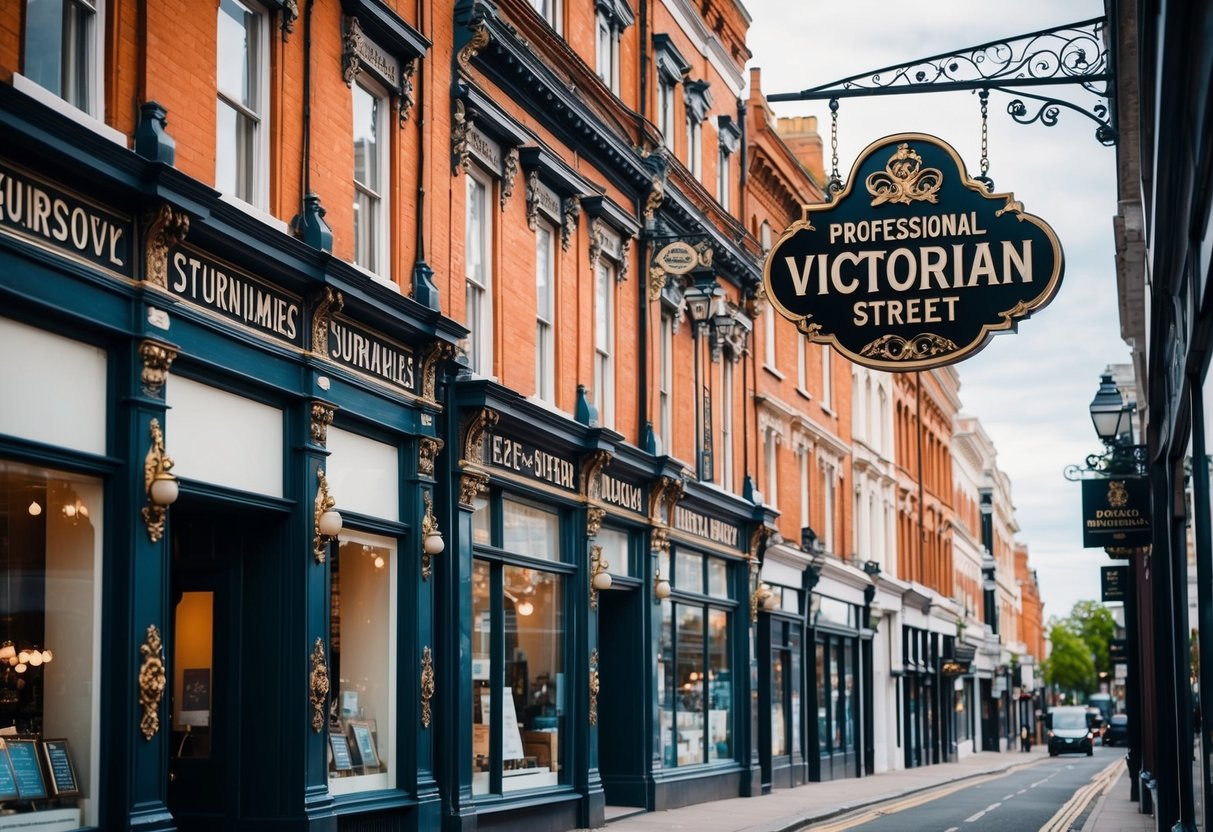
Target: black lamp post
701, 300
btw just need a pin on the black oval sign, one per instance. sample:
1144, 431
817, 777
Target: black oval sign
914, 265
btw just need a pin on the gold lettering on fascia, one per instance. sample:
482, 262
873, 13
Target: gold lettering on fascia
364, 351
486, 149
876, 271
514, 456
620, 493
701, 525
63, 222
381, 63
549, 203
235, 296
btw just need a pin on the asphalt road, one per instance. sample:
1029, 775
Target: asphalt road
1023, 800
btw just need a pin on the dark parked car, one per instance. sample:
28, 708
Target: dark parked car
1118, 730
1070, 731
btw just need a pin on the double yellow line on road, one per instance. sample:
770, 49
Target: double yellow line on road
1074, 807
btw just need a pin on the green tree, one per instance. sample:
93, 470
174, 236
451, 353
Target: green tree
1095, 624
1069, 666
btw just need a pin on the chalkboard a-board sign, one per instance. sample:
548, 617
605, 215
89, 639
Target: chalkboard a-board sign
8, 783
341, 752
59, 766
27, 771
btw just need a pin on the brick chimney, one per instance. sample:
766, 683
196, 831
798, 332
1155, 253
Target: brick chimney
800, 134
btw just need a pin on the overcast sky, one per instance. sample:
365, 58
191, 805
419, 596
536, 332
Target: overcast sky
1030, 389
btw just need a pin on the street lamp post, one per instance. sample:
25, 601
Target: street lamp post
701, 300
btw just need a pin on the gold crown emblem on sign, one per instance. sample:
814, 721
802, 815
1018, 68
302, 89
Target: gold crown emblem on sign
1118, 495
904, 179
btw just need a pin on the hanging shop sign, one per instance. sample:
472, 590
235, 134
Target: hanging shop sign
677, 258
34, 210
227, 292
1118, 650
1116, 512
1113, 583
518, 457
960, 662
914, 265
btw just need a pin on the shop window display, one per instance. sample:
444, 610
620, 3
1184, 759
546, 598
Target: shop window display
50, 551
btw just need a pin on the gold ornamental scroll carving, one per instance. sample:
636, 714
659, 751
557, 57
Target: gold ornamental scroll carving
151, 682
472, 484
157, 359
474, 429
429, 368
591, 467
318, 685
594, 686
164, 228
593, 520
329, 305
480, 39
427, 686
428, 448
156, 461
322, 417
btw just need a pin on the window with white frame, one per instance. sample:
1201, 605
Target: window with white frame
802, 459
827, 399
478, 267
62, 51
545, 309
671, 69
694, 145
730, 140
764, 236
722, 179
801, 374
769, 337
604, 341
549, 10
828, 493
665, 112
241, 134
726, 423
771, 458
371, 211
666, 382
612, 17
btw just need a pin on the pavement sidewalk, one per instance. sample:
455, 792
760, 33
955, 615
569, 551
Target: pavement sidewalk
1114, 812
785, 810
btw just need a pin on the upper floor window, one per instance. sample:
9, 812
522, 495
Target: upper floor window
478, 267
698, 102
726, 422
241, 148
549, 10
827, 399
665, 111
769, 338
801, 376
604, 341
671, 69
802, 459
612, 17
61, 50
730, 140
723, 195
370, 180
545, 308
665, 382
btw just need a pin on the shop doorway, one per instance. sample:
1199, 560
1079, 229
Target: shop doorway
989, 717
622, 761
216, 557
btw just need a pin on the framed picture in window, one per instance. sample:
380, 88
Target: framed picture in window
8, 781
27, 769
58, 760
363, 735
341, 760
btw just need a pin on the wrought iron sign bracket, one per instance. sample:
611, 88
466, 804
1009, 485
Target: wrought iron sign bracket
1066, 56
1121, 461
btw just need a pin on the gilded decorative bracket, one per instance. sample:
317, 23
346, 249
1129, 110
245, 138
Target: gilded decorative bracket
532, 199
329, 304
165, 228
429, 526
472, 484
593, 521
318, 685
591, 467
156, 465
322, 417
427, 686
474, 430
594, 685
324, 502
655, 197
157, 359
428, 448
461, 126
151, 682
479, 40
440, 352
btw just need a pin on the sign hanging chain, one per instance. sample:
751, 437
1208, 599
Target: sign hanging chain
984, 96
834, 185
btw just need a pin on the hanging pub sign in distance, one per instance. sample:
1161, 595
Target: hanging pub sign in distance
914, 264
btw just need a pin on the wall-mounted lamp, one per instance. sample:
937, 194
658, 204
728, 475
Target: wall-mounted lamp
326, 519
158, 482
661, 586
432, 543
600, 578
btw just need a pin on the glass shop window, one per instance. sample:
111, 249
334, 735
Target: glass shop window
50, 554
614, 545
518, 650
362, 720
695, 680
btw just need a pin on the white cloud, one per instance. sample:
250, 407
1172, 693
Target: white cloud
1030, 389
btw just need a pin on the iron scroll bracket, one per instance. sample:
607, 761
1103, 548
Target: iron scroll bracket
1071, 55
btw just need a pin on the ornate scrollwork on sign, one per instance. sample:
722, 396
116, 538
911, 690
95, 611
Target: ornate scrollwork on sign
427, 685
461, 126
318, 685
904, 179
151, 682
155, 463
157, 358
570, 211
896, 348
532, 199
322, 417
472, 484
593, 520
166, 228
594, 685
441, 351
351, 42
407, 99
480, 39
509, 174
330, 304
474, 429
591, 466
427, 451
